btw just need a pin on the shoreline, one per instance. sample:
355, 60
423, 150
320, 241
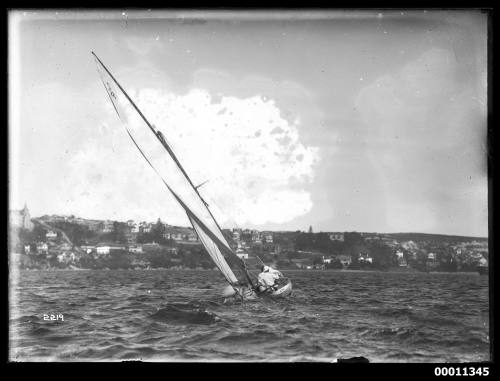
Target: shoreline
395, 271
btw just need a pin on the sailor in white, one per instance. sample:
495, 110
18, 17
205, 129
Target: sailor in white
268, 277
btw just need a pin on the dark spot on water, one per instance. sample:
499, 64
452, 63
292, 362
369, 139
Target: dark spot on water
184, 314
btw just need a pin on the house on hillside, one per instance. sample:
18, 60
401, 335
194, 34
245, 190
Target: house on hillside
337, 237
345, 260
42, 248
133, 227
136, 249
241, 253
66, 257
180, 234
93, 225
365, 258
268, 237
107, 226
401, 258
88, 248
256, 236
107, 248
176, 236
51, 235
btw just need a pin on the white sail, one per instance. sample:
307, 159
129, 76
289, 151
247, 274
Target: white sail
214, 253
152, 146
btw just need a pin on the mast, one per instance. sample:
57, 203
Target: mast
159, 136
157, 133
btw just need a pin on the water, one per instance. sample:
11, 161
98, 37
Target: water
174, 315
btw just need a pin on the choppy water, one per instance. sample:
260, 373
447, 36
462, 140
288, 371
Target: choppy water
169, 315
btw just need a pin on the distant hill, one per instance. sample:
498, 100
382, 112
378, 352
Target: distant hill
437, 238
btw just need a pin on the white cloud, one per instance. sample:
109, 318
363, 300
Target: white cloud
247, 151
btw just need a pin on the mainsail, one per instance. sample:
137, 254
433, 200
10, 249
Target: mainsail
152, 145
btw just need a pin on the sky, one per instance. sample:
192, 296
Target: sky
369, 121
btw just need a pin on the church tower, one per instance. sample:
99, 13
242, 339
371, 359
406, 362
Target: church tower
26, 218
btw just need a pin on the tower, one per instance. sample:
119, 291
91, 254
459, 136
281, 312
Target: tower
26, 218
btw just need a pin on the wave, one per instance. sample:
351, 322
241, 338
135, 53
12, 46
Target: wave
388, 332
184, 313
39, 331
255, 337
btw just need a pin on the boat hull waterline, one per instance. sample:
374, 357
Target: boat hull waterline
282, 291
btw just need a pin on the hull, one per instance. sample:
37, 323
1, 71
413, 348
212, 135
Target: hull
283, 290
247, 294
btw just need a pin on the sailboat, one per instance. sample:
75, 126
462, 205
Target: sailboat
153, 145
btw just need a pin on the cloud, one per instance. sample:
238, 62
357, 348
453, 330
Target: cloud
293, 100
53, 123
253, 158
425, 130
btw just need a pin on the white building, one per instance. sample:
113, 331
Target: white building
51, 235
268, 237
107, 226
105, 249
87, 248
327, 260
256, 237
176, 236
145, 227
241, 253
135, 249
42, 248
337, 236
365, 258
133, 226
66, 257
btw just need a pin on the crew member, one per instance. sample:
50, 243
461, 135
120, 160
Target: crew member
267, 278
